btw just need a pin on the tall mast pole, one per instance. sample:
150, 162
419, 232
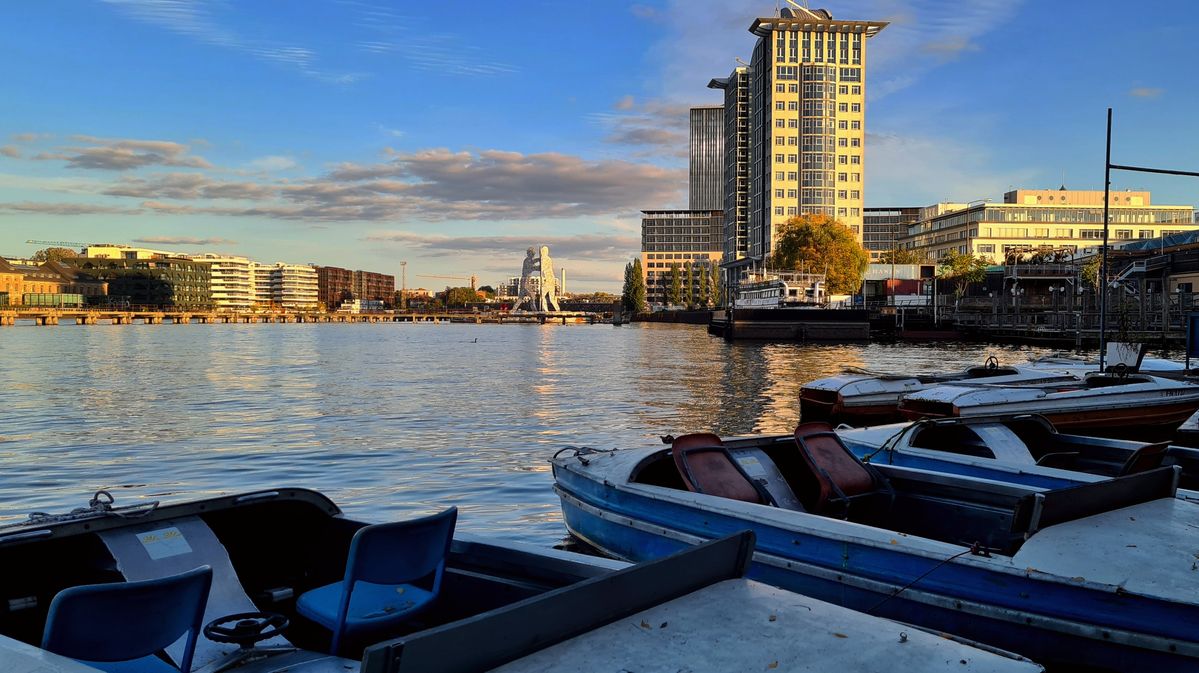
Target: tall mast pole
1102, 284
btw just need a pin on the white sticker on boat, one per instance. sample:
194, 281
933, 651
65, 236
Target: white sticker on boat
164, 543
751, 465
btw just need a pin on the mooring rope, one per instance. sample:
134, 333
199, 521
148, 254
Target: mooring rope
100, 505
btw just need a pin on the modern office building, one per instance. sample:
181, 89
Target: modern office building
334, 285
231, 280
371, 286
1030, 219
293, 286
882, 228
161, 281
736, 167
671, 237
807, 133
705, 190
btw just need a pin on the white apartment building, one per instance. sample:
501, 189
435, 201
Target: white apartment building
261, 292
294, 286
232, 280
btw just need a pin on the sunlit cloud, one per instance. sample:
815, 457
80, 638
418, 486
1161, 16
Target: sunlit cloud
119, 154
182, 240
1145, 92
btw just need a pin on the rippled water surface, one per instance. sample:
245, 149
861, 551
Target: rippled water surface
387, 419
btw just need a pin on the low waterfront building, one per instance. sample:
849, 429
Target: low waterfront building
1027, 219
371, 286
93, 289
334, 285
670, 237
160, 282
19, 278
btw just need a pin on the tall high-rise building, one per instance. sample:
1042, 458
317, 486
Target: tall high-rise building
736, 165
807, 133
706, 152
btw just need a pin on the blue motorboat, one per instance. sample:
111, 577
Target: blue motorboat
1020, 448
1098, 574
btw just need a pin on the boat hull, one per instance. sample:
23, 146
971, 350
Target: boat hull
1046, 621
812, 408
1147, 422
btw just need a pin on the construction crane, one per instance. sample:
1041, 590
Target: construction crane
474, 280
58, 244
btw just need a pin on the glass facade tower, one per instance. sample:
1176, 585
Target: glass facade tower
706, 152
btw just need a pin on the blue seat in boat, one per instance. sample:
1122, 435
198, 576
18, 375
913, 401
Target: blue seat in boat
393, 572
119, 627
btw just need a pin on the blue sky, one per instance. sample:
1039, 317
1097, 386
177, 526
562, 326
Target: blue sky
361, 133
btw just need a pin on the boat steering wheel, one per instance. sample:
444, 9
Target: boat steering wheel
1120, 370
244, 629
992, 362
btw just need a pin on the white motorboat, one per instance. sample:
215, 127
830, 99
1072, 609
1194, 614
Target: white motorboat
870, 398
1139, 405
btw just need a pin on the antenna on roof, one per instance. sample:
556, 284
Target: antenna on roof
796, 5
740, 62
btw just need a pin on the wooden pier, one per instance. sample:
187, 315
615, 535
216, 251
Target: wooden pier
46, 316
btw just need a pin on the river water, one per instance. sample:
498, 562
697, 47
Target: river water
389, 420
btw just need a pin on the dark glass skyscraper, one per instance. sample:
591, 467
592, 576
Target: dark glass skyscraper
706, 187
736, 162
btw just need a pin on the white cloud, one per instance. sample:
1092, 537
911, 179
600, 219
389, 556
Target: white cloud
119, 154
273, 163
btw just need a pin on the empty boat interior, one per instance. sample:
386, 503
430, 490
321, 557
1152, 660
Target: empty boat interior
960, 510
280, 545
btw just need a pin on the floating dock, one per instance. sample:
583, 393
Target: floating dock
791, 324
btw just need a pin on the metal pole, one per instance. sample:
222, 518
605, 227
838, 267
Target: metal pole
403, 286
1107, 185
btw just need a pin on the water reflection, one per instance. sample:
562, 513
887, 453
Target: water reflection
388, 420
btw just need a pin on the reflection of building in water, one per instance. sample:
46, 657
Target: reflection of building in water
759, 383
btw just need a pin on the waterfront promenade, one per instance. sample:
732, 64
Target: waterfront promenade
44, 316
